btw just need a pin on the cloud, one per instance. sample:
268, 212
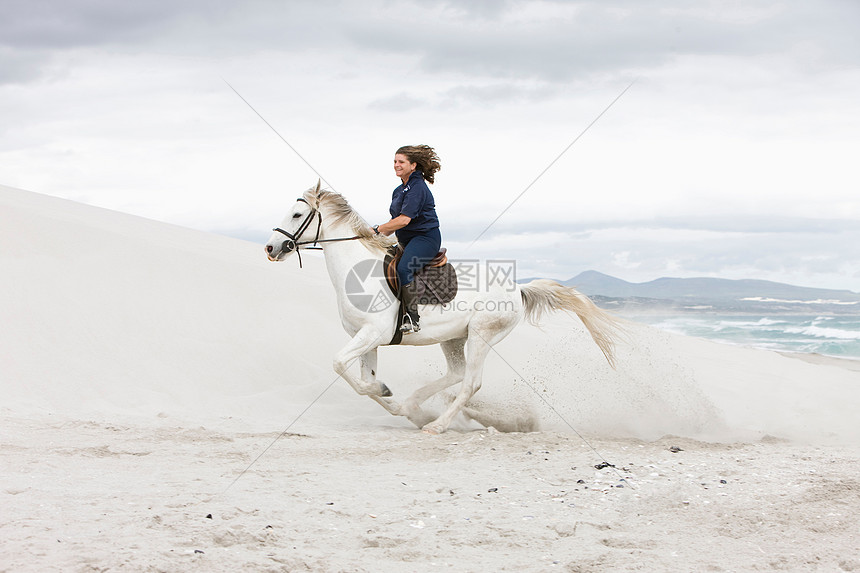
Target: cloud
32, 32
398, 103
807, 251
747, 225
19, 67
35, 25
733, 150
573, 41
459, 97
553, 41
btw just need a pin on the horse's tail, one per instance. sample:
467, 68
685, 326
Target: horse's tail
543, 295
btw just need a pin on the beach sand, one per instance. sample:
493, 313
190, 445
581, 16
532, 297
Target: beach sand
91, 496
813, 358
158, 416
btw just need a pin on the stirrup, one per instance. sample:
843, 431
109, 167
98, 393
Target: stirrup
409, 326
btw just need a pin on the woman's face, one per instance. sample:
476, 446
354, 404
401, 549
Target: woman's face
403, 168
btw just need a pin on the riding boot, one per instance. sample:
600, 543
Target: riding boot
410, 303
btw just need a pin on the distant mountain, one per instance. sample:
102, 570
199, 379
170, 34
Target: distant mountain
593, 282
714, 294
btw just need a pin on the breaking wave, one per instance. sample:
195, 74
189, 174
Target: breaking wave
830, 335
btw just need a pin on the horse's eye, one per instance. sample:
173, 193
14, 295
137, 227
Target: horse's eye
297, 215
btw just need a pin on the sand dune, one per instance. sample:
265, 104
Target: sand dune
144, 367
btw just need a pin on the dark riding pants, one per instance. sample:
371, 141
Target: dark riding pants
417, 252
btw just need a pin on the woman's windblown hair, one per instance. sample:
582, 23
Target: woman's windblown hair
425, 158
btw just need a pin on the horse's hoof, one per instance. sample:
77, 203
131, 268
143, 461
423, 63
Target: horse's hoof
432, 429
385, 391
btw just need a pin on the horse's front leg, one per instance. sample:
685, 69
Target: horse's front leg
368, 371
363, 346
368, 375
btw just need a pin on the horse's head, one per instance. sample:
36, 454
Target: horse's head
300, 227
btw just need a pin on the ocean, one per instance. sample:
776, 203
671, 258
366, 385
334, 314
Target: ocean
837, 335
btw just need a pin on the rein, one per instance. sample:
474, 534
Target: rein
292, 243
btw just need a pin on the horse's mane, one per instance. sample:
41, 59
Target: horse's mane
340, 211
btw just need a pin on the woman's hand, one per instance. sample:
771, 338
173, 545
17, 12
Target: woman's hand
394, 224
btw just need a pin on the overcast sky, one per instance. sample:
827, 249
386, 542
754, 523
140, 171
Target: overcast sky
734, 153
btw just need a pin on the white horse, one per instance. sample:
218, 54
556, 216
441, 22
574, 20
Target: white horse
466, 328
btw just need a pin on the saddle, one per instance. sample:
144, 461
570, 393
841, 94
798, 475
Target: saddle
436, 282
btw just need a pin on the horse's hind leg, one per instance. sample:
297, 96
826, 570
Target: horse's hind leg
455, 358
476, 354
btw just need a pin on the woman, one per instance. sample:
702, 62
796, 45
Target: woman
414, 221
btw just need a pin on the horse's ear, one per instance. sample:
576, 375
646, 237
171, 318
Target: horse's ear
312, 195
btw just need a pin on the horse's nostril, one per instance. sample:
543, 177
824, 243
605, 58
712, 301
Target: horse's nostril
269, 249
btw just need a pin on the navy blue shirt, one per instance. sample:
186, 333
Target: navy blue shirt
414, 200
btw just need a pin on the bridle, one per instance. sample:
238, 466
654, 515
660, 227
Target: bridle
293, 243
